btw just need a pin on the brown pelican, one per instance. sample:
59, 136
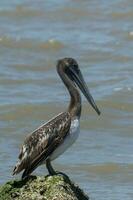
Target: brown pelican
51, 139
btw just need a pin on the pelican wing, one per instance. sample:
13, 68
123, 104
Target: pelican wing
40, 144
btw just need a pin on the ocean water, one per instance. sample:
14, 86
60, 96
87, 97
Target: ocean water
99, 35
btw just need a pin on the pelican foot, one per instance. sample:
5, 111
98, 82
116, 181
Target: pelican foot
61, 174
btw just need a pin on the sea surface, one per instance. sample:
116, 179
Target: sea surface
99, 35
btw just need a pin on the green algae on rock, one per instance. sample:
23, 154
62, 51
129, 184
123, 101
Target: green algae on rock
56, 187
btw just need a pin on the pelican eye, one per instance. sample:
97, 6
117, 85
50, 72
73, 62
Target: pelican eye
75, 68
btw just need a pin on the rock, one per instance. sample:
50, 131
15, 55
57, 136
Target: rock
58, 187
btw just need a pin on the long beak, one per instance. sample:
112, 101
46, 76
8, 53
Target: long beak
79, 80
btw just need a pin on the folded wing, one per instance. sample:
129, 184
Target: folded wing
40, 144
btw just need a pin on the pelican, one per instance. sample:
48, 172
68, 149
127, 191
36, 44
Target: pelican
51, 139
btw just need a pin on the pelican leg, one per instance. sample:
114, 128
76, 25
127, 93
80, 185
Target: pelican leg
50, 168
52, 171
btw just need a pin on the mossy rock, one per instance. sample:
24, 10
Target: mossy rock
56, 187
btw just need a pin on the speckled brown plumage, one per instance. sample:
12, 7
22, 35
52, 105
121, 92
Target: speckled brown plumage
42, 142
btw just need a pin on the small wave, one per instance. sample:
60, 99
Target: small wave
122, 88
52, 43
118, 89
130, 35
122, 15
106, 168
21, 11
39, 67
30, 43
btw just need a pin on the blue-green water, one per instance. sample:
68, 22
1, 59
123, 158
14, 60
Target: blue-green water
99, 35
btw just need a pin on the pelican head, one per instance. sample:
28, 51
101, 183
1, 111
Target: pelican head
71, 68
